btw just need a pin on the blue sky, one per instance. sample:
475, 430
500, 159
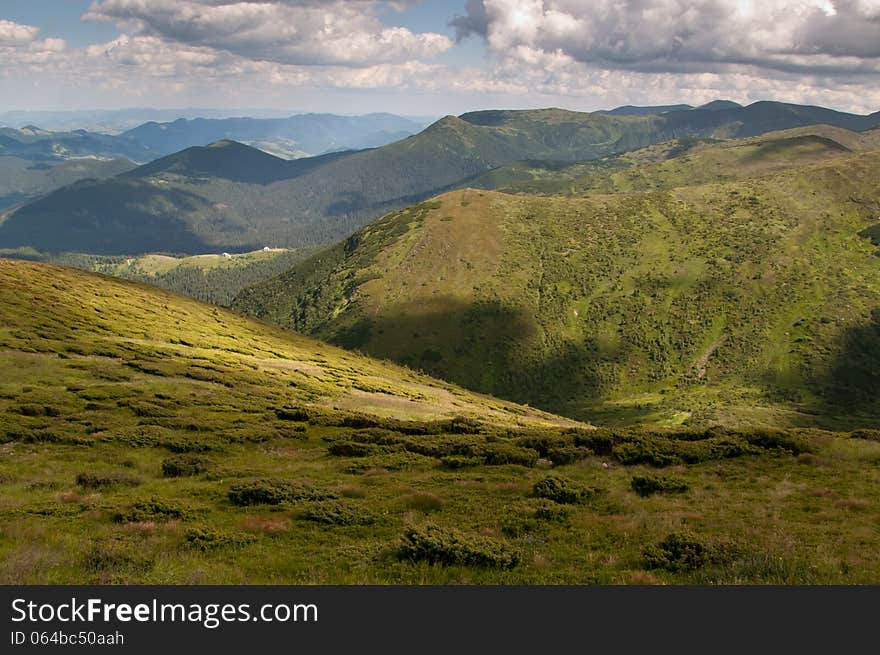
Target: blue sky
354, 56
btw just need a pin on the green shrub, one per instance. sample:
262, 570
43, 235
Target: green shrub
568, 454
337, 512
394, 461
203, 538
353, 449
106, 480
497, 454
460, 461
180, 466
869, 435
677, 552
646, 485
644, 452
553, 513
272, 491
154, 509
437, 545
562, 490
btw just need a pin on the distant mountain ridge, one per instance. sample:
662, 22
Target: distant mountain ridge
191, 207
312, 134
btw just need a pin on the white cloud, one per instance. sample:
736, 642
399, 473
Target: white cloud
686, 35
310, 32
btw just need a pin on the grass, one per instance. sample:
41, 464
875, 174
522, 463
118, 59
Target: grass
150, 439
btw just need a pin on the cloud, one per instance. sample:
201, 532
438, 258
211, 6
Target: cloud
307, 32
19, 46
687, 36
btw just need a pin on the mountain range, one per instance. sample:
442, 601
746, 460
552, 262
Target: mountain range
219, 204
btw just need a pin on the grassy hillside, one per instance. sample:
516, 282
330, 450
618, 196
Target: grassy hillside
745, 302
233, 198
147, 438
680, 162
214, 278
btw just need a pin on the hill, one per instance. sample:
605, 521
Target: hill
23, 180
680, 162
751, 301
151, 439
183, 210
213, 278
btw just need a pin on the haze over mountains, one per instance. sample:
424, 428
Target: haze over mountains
201, 200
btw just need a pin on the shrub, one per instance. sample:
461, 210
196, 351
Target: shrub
870, 435
272, 491
106, 480
353, 449
497, 454
205, 539
568, 454
185, 465
562, 490
154, 509
396, 461
677, 552
644, 452
460, 461
646, 485
552, 512
336, 512
437, 545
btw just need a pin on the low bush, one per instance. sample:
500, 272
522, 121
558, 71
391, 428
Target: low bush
563, 491
437, 545
460, 461
204, 539
273, 491
568, 454
180, 466
106, 480
154, 509
395, 461
337, 512
647, 485
678, 552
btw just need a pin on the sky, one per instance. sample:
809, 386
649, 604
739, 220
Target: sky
436, 57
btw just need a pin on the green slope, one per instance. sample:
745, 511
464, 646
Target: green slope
231, 197
214, 278
751, 301
680, 162
150, 439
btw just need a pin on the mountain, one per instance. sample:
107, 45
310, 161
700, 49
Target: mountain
745, 301
300, 135
114, 121
195, 446
719, 105
319, 200
630, 110
36, 144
